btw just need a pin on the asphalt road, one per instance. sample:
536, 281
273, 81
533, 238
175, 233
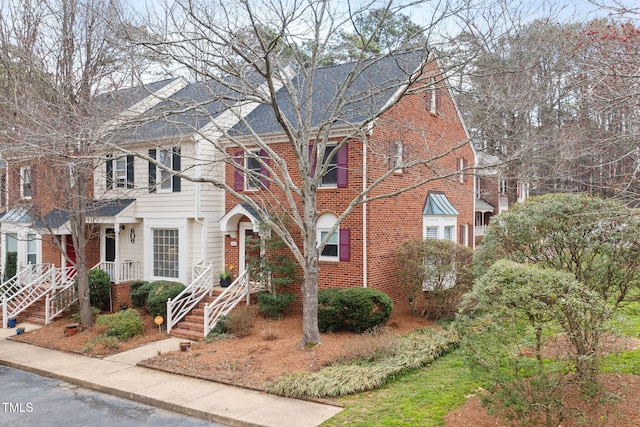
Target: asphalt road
28, 399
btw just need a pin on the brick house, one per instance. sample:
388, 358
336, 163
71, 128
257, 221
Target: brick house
425, 123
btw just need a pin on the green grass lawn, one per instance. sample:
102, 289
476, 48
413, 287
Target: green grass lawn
418, 398
424, 396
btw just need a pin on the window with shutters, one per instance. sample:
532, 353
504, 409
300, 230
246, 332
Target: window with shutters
163, 178
252, 170
330, 178
433, 97
337, 247
120, 172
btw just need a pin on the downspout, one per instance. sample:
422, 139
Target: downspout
364, 217
203, 243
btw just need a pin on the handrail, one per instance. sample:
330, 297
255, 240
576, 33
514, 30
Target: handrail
127, 270
190, 296
14, 304
63, 292
228, 299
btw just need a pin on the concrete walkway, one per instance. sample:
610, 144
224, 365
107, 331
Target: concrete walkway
119, 375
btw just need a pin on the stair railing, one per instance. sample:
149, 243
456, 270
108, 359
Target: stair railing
186, 300
63, 292
18, 296
227, 300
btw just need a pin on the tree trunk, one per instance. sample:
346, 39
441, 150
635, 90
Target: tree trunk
310, 331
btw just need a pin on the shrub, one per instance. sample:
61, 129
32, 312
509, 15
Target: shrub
123, 324
99, 288
139, 292
273, 306
240, 321
11, 265
353, 309
159, 293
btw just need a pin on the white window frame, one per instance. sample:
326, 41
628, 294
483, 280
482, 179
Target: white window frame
449, 233
502, 186
477, 187
147, 242
31, 249
460, 169
433, 90
333, 166
26, 181
120, 172
165, 183
157, 269
439, 222
464, 241
399, 158
252, 171
324, 225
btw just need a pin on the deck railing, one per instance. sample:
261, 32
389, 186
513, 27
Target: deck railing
121, 271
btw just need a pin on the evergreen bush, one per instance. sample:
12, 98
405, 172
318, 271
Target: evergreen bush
99, 288
159, 293
123, 324
139, 292
273, 306
352, 309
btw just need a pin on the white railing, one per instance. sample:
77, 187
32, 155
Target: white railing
122, 271
480, 230
63, 292
21, 295
186, 300
221, 306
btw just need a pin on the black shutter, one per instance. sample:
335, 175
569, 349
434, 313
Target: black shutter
130, 178
109, 172
176, 167
152, 172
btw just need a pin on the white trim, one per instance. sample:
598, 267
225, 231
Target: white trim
183, 254
440, 222
242, 242
325, 224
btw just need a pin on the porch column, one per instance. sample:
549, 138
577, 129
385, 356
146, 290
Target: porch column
116, 259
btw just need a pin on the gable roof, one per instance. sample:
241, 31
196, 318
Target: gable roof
377, 80
438, 204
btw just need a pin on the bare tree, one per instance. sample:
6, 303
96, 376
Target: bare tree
58, 56
253, 51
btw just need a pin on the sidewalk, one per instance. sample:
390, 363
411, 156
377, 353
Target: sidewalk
118, 375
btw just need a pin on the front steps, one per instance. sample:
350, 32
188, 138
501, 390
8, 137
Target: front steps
192, 326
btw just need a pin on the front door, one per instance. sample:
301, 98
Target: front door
109, 244
249, 247
70, 249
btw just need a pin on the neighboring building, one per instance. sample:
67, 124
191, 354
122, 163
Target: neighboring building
492, 192
361, 252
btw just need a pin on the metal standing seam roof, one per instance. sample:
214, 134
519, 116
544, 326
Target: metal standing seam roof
17, 214
438, 204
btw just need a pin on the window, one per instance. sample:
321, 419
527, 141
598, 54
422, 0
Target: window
26, 189
338, 245
397, 155
252, 171
464, 234
431, 233
337, 168
3, 189
461, 164
32, 257
168, 181
11, 242
433, 97
448, 232
119, 172
165, 253
165, 158
502, 186
330, 178
476, 188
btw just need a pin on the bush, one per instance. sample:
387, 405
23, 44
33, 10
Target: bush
159, 293
11, 265
273, 306
352, 309
139, 292
123, 324
99, 288
240, 321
